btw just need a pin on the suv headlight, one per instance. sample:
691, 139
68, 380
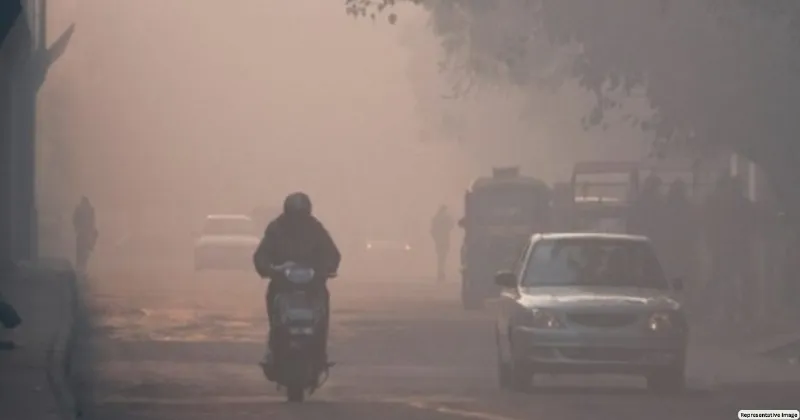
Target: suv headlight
666, 321
541, 318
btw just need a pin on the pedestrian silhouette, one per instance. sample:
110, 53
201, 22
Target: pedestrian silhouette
731, 223
679, 230
83, 220
441, 228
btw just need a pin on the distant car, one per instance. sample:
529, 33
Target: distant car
227, 242
590, 303
388, 259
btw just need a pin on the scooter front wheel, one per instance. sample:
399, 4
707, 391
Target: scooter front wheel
295, 393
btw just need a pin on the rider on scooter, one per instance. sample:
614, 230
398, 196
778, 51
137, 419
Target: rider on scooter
296, 235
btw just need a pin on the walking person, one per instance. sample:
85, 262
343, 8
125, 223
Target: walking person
441, 229
84, 223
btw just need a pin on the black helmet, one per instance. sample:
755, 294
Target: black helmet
297, 204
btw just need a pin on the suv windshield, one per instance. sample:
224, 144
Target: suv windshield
508, 205
594, 262
611, 188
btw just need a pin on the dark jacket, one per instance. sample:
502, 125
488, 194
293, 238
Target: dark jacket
305, 242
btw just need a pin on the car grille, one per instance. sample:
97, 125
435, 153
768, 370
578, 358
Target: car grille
602, 354
603, 320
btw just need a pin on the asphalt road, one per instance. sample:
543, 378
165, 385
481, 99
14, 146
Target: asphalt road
175, 345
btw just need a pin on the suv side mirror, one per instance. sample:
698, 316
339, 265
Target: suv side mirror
505, 279
677, 284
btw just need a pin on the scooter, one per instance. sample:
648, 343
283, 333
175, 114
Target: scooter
296, 363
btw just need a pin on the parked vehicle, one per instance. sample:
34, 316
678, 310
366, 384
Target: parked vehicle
500, 214
590, 303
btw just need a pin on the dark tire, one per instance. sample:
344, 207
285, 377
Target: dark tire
511, 376
503, 371
295, 394
670, 380
469, 300
521, 378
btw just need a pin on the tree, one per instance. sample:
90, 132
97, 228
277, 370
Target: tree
9, 11
720, 72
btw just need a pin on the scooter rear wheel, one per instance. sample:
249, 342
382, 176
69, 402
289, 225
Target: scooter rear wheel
295, 393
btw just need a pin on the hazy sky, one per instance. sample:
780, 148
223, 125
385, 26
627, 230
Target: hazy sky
175, 109
191, 105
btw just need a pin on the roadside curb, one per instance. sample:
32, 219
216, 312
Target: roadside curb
59, 353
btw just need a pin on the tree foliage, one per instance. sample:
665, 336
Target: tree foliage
720, 72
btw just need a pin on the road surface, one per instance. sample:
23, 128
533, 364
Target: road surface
176, 345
